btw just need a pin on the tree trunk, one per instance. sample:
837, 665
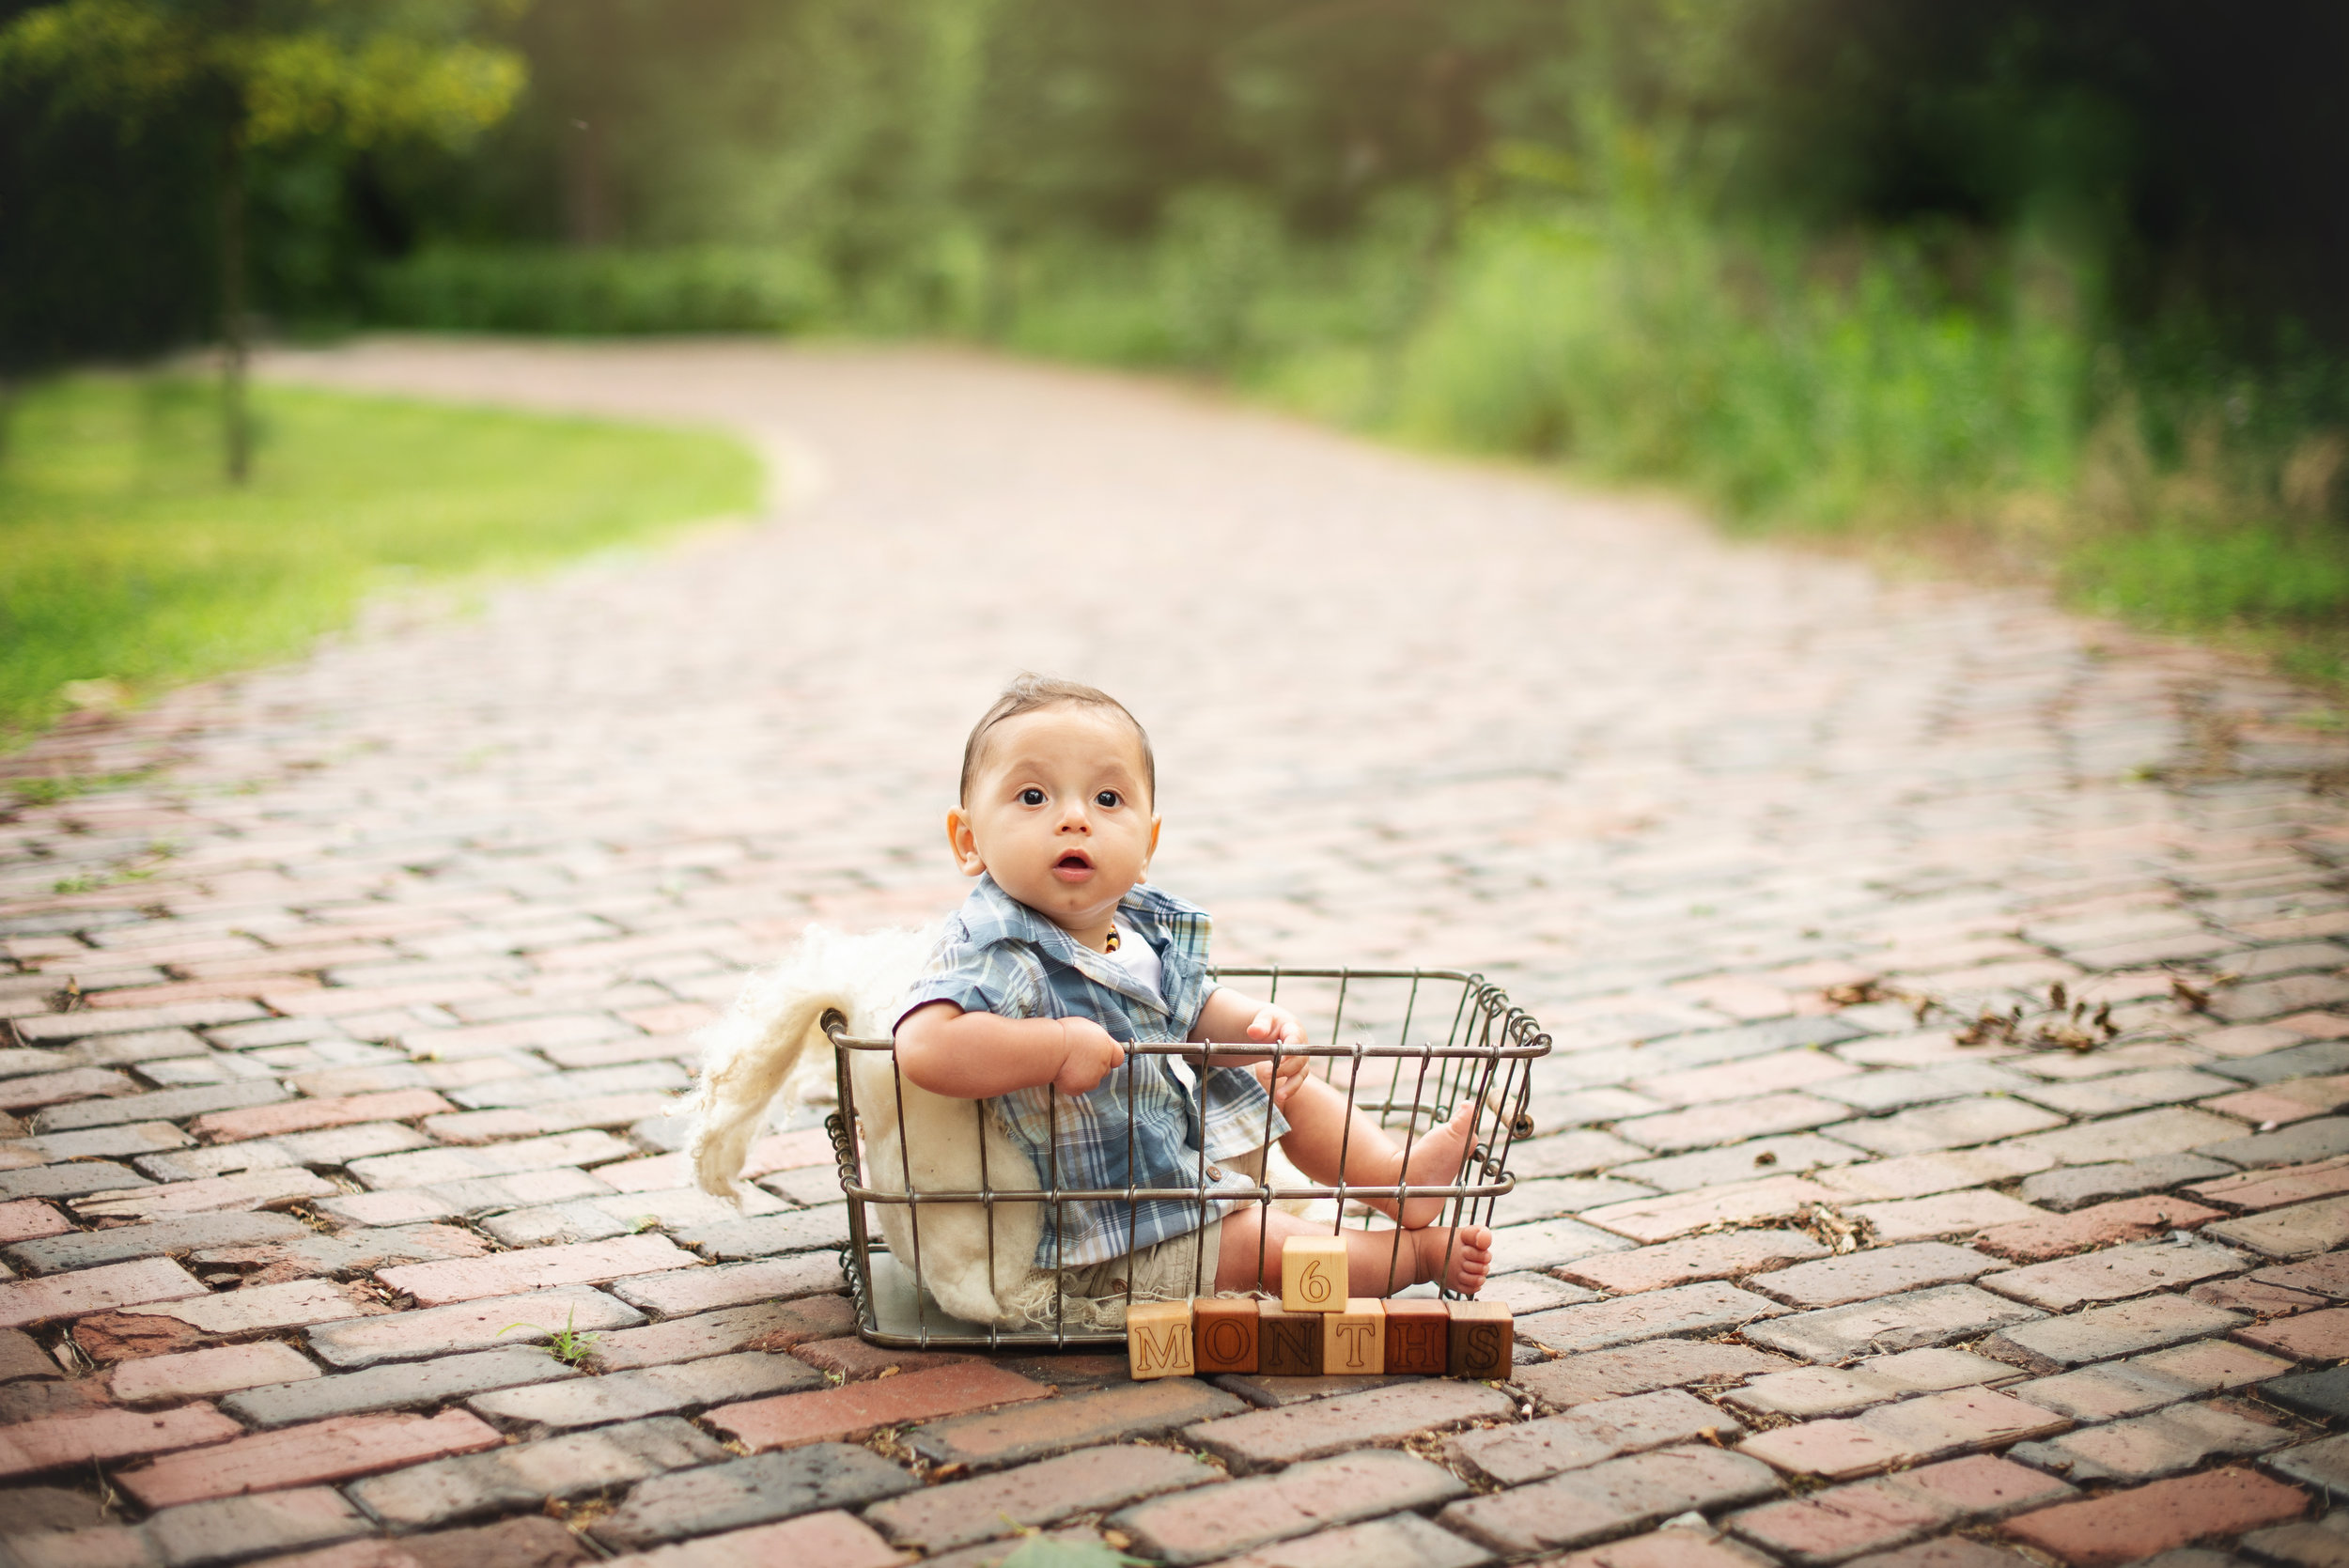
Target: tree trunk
237, 418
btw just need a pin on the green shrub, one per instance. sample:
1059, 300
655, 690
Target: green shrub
549, 290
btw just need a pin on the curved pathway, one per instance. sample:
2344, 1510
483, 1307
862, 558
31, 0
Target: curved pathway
381, 965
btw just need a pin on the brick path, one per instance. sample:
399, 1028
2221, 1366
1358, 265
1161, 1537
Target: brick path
381, 983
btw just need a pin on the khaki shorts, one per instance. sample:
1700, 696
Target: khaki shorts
1174, 1269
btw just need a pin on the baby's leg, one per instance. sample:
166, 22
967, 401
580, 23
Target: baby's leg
1378, 1263
1322, 1122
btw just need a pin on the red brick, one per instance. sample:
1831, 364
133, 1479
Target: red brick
191, 990
1512, 1454
678, 1292
527, 1541
1091, 1481
94, 1290
1214, 1522
1115, 1413
1869, 1275
1727, 1255
2250, 1296
29, 1218
1636, 1369
27, 1447
2126, 1527
589, 1262
1755, 1075
760, 1326
335, 1001
1663, 1548
1262, 1439
2127, 1220
272, 1120
322, 1452
852, 1360
1831, 1526
1739, 1203
2288, 1232
211, 1372
2267, 1189
1943, 1214
829, 1540
191, 1015
81, 1083
1830, 1449
2114, 1274
2322, 1336
255, 1309
835, 1415
273, 1187
1705, 1125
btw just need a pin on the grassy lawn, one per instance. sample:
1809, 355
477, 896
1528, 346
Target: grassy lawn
125, 557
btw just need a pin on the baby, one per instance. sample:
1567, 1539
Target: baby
1061, 956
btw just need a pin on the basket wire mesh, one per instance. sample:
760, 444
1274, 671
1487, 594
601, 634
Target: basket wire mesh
1485, 1055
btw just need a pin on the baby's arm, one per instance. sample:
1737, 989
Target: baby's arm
972, 1056
1228, 1015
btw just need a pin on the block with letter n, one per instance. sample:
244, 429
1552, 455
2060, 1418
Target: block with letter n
1157, 1339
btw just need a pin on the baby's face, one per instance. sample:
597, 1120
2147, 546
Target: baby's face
1058, 812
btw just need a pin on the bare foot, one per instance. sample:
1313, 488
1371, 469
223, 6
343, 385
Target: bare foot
1455, 1259
1436, 1161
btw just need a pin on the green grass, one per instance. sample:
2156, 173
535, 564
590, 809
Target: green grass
125, 557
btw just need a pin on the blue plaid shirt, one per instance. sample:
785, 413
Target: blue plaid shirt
1000, 956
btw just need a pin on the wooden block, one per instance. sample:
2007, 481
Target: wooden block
1417, 1336
1288, 1344
1355, 1340
1482, 1333
1314, 1274
1223, 1334
1157, 1339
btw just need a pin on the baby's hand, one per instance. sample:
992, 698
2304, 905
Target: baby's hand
1090, 1056
1278, 1024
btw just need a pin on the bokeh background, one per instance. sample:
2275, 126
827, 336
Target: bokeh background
2049, 288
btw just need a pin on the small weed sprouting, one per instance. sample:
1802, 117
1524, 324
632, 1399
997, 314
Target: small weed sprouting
566, 1344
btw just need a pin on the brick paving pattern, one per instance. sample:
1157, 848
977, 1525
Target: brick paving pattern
348, 1012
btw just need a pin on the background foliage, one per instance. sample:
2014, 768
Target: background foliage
2057, 276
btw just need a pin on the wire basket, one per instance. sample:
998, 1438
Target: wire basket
1370, 1016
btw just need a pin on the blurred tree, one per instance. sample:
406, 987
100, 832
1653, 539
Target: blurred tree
262, 74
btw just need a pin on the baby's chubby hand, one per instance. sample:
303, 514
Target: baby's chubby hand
1278, 1025
1089, 1056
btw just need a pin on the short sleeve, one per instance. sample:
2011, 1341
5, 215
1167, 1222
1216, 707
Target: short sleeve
1002, 978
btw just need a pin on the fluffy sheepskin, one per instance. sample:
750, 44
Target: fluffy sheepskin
770, 1045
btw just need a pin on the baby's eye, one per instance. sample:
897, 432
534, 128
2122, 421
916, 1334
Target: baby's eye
1032, 797
1107, 800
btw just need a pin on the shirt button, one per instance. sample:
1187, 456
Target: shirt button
1215, 1173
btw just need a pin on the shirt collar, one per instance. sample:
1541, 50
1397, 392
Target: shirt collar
992, 915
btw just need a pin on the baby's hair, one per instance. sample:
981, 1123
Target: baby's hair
1029, 692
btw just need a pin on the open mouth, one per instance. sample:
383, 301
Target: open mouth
1072, 864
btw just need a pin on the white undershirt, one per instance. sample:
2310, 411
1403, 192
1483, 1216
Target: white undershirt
1138, 959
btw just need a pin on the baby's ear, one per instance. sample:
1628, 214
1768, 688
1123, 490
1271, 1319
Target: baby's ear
962, 844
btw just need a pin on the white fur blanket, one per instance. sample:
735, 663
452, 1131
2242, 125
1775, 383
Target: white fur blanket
770, 1045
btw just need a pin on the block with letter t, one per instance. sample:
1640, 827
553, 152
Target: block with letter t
1354, 1341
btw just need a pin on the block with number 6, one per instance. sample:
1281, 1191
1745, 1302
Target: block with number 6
1313, 1274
